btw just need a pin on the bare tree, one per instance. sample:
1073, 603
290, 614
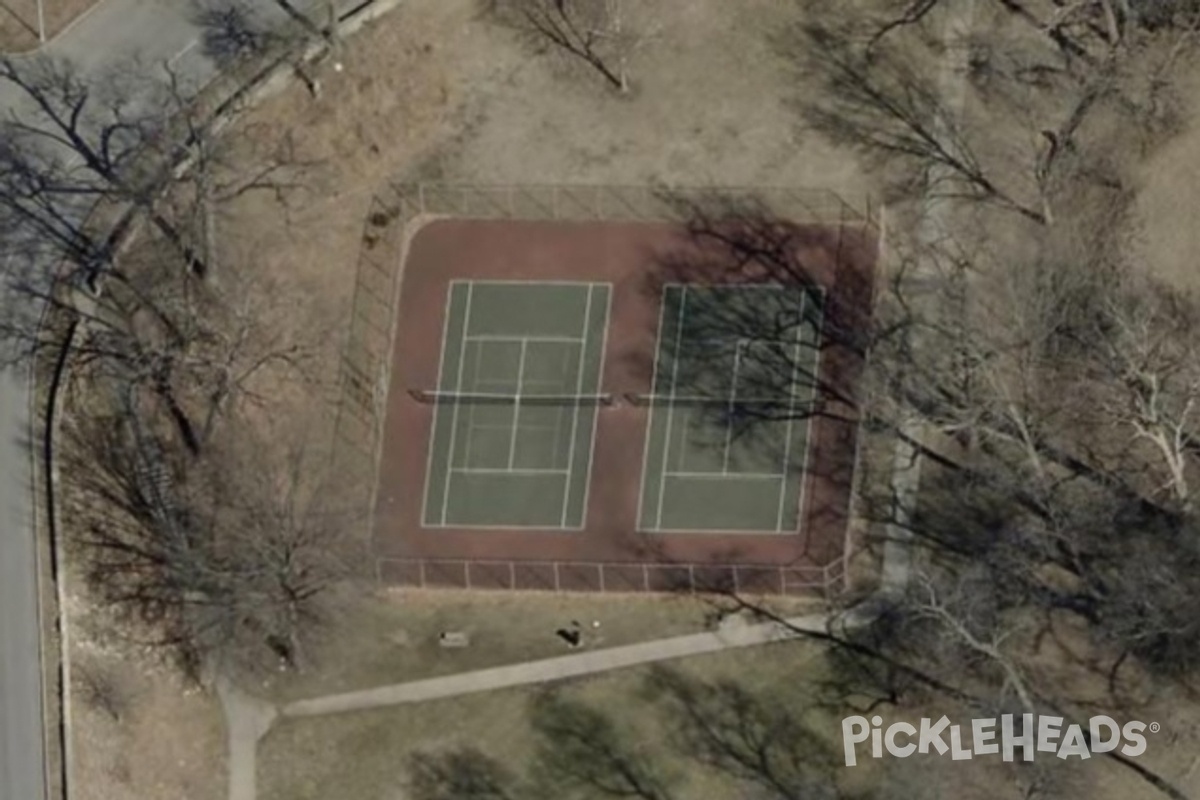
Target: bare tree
1147, 359
1084, 29
103, 690
463, 773
232, 562
1014, 121
592, 32
233, 32
79, 146
1061, 384
584, 754
758, 740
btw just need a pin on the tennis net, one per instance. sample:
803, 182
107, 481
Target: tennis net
747, 403
437, 397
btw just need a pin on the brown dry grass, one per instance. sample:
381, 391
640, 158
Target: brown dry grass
393, 637
1168, 199
363, 755
166, 738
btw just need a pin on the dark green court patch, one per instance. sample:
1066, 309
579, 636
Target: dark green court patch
509, 447
734, 385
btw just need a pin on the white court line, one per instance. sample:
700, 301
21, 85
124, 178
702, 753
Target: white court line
471, 426
787, 446
662, 310
671, 410
489, 337
504, 526
434, 421
516, 426
737, 363
800, 500
727, 476
566, 499
528, 282
721, 531
506, 471
462, 357
587, 481
189, 47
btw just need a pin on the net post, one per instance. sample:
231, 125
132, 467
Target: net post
467, 572
600, 569
557, 583
512, 575
692, 577
646, 577
421, 573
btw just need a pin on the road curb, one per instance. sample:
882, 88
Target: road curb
54, 639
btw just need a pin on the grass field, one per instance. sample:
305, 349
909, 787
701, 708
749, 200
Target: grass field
394, 635
362, 755
435, 93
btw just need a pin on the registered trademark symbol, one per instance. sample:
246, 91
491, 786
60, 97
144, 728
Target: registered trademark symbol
1155, 727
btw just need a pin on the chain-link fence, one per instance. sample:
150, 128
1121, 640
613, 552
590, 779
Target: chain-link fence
396, 212
611, 577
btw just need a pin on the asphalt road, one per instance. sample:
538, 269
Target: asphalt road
151, 31
21, 774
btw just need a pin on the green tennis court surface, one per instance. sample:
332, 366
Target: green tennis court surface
729, 422
513, 427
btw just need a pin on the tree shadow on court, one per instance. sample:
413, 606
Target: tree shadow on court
823, 274
754, 364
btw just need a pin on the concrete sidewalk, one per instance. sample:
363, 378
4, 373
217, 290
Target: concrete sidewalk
115, 34
551, 669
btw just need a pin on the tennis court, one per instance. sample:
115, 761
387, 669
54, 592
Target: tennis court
615, 406
516, 404
730, 419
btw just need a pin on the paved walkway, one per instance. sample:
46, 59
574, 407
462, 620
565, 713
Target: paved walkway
550, 669
163, 31
246, 720
112, 32
111, 35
